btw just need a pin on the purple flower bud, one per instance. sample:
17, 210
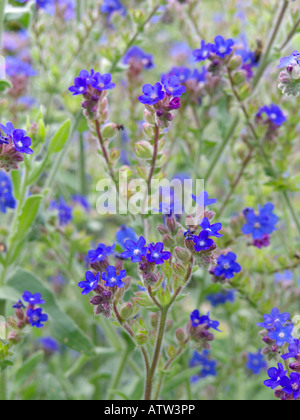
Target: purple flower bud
175, 103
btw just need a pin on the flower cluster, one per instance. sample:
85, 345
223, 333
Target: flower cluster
221, 298
279, 330
289, 79
260, 225
7, 199
14, 143
109, 7
221, 48
93, 87
34, 314
290, 385
198, 329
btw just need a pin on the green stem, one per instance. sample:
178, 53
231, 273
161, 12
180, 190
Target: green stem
3, 388
2, 8
292, 210
265, 59
118, 374
290, 35
221, 148
82, 166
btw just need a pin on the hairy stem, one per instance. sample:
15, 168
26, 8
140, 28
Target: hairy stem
2, 8
290, 35
3, 388
154, 158
104, 151
265, 59
118, 374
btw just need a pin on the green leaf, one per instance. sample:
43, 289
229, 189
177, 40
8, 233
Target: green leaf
26, 217
4, 84
54, 389
16, 180
59, 139
180, 378
24, 372
9, 293
63, 327
22, 15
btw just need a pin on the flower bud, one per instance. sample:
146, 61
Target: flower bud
171, 352
109, 130
143, 149
148, 130
168, 241
180, 335
190, 245
180, 237
171, 223
126, 310
148, 117
239, 77
182, 254
154, 320
141, 337
235, 62
179, 269
295, 366
162, 229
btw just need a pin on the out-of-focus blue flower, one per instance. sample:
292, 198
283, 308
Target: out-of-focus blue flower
112, 279
275, 315
100, 253
273, 113
65, 212
208, 366
221, 298
82, 201
6, 196
227, 266
17, 67
262, 223
91, 282
285, 276
18, 305
197, 319
156, 253
136, 54
256, 362
275, 375
203, 199
125, 233
49, 345
135, 250
110, 6
291, 59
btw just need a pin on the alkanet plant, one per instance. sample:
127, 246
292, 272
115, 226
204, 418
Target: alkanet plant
120, 278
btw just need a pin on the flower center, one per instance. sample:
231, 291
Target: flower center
19, 143
281, 335
156, 255
295, 387
226, 266
136, 252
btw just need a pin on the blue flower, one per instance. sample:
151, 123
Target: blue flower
100, 253
18, 305
91, 282
262, 223
16, 67
208, 365
152, 94
172, 85
222, 47
275, 376
286, 61
110, 6
80, 86
294, 352
22, 142
285, 276
291, 385
65, 212
82, 200
6, 196
36, 317
124, 233
203, 199
282, 334
137, 54
33, 299
112, 279
275, 315
227, 266
203, 53
102, 82
49, 344
202, 241
196, 320
156, 253
256, 362
182, 73
211, 229
221, 297
135, 250
273, 113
